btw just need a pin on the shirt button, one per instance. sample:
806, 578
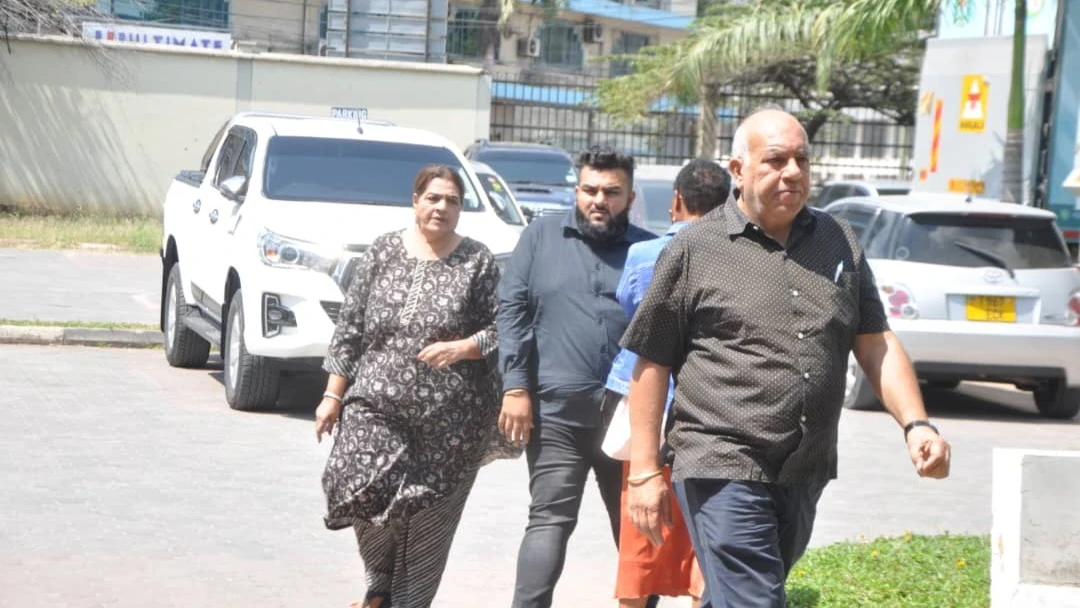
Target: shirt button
802, 418
801, 335
795, 292
806, 376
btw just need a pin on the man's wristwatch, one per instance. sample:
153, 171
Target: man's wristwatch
915, 423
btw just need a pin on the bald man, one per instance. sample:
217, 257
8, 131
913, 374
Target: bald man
755, 309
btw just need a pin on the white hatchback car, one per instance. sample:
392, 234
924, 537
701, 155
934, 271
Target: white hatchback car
975, 291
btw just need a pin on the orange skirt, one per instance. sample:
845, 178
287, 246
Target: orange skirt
644, 569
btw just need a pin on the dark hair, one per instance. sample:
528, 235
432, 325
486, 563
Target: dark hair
704, 185
431, 172
605, 158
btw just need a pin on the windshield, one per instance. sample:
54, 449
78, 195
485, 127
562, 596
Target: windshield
500, 196
548, 169
975, 241
352, 171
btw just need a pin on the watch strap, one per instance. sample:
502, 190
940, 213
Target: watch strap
915, 423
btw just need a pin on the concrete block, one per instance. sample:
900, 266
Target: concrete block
1036, 529
19, 334
112, 337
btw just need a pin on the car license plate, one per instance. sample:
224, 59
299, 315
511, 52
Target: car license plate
998, 309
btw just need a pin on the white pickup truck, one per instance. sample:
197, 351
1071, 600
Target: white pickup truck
258, 243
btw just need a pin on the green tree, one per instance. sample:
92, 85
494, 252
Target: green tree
834, 32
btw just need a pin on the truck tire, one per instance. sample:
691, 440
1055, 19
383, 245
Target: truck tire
183, 347
1055, 400
251, 382
858, 394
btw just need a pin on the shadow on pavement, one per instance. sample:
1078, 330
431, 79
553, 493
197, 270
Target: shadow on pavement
986, 402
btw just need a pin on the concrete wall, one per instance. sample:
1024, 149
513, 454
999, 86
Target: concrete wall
100, 129
1035, 540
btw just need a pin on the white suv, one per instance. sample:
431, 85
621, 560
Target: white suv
975, 291
259, 243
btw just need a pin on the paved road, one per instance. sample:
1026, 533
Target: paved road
80, 285
130, 484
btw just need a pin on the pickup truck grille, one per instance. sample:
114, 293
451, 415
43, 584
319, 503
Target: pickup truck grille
333, 309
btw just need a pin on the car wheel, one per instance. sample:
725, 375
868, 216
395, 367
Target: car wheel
947, 385
183, 347
251, 382
858, 394
1055, 400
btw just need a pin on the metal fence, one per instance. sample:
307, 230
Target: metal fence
858, 143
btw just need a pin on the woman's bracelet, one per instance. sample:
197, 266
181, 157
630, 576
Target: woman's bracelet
329, 395
643, 477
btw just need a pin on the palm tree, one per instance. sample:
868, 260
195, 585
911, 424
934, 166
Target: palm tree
837, 31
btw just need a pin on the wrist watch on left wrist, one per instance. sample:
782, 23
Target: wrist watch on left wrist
915, 423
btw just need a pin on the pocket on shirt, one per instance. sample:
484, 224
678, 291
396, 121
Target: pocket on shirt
845, 298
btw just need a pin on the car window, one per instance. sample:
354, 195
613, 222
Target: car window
860, 220
243, 159
893, 191
654, 201
974, 241
833, 193
499, 194
876, 243
230, 151
352, 171
204, 166
528, 168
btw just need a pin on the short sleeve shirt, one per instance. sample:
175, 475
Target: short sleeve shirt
758, 336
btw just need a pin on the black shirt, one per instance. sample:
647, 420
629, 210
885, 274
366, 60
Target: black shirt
559, 323
758, 336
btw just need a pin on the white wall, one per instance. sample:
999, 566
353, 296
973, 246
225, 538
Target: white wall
99, 129
1035, 541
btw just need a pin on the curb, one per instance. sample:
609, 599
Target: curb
80, 336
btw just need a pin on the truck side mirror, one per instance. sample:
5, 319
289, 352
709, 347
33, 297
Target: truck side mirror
235, 188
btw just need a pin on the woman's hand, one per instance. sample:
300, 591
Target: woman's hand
441, 355
326, 416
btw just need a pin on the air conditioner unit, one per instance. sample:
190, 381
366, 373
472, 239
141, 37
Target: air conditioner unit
528, 47
593, 32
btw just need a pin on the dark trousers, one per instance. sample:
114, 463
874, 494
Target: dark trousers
747, 535
560, 457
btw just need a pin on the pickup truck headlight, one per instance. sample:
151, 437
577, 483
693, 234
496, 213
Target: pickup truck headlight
282, 252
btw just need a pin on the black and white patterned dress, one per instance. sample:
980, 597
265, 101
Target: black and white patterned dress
410, 435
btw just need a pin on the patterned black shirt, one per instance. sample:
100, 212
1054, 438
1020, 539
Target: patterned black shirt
758, 336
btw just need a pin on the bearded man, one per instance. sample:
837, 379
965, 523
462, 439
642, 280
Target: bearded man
559, 327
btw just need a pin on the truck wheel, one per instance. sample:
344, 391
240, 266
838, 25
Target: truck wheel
251, 382
858, 394
183, 347
1055, 400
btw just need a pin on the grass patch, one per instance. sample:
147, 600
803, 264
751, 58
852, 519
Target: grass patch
129, 235
88, 324
910, 571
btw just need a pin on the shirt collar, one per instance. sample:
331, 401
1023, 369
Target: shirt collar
569, 223
677, 226
738, 223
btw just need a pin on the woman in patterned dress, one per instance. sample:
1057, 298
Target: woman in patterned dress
412, 396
